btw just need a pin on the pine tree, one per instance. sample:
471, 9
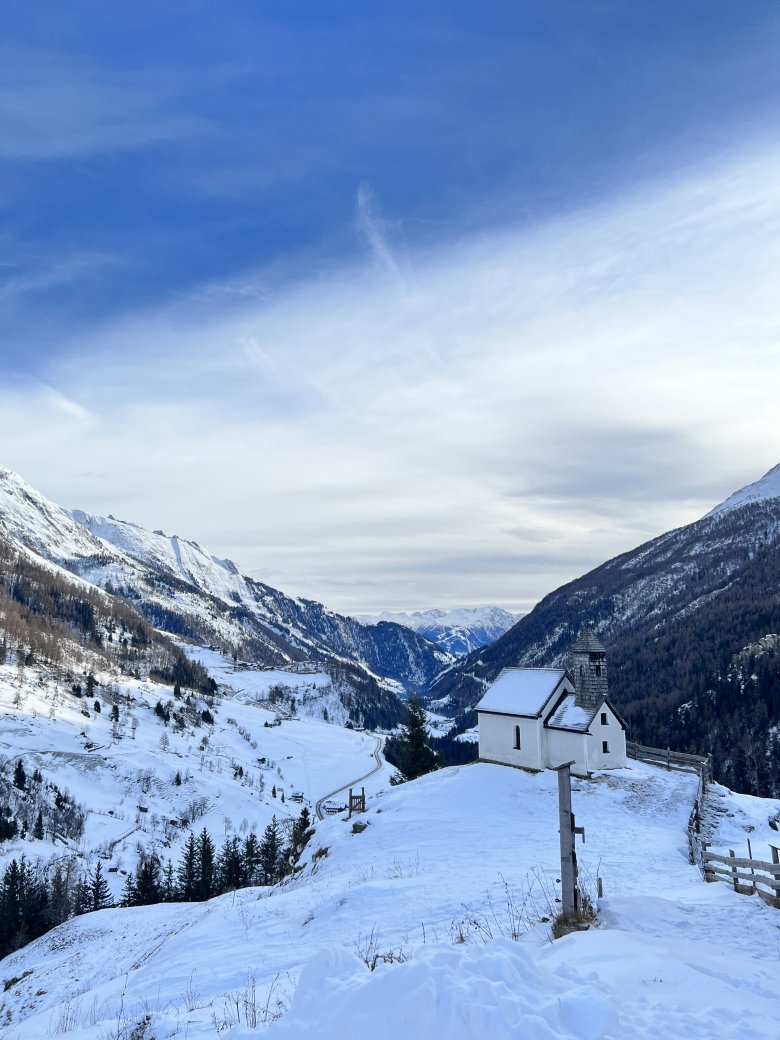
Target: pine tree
271, 854
59, 896
169, 884
299, 833
415, 756
251, 858
204, 886
99, 893
148, 885
231, 866
38, 828
187, 874
20, 777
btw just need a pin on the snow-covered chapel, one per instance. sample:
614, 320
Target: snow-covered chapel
539, 718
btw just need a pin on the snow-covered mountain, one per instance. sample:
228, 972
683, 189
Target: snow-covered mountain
672, 613
458, 631
765, 489
183, 589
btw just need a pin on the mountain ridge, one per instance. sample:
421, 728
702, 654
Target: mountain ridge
181, 588
458, 630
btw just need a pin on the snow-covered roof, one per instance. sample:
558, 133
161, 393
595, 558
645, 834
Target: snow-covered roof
570, 715
521, 691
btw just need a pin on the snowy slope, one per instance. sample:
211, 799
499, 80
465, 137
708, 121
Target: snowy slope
123, 773
672, 956
458, 631
183, 589
767, 487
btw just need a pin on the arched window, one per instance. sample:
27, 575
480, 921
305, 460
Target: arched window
598, 669
517, 738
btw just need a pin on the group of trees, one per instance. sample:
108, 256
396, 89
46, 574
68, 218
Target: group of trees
34, 899
204, 872
32, 806
734, 716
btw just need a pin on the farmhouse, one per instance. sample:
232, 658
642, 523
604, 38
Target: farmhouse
539, 718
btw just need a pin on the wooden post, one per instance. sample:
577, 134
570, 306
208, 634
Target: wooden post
776, 871
668, 759
600, 883
567, 830
733, 870
752, 871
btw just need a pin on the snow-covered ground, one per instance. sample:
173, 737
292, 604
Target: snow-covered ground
125, 773
447, 869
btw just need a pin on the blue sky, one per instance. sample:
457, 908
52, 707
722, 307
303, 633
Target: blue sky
216, 214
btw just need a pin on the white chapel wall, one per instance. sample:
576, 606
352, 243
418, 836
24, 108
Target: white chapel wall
497, 740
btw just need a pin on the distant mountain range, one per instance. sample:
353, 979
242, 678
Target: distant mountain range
457, 631
675, 614
182, 589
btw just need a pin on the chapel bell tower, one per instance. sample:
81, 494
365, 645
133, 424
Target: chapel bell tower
590, 670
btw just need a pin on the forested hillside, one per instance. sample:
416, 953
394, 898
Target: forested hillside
48, 617
674, 614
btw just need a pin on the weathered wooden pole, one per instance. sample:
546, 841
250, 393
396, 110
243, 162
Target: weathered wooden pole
569, 894
732, 854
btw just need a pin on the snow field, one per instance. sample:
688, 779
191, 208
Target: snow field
446, 868
126, 780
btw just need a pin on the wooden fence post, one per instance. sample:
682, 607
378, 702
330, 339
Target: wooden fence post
569, 895
733, 870
776, 872
752, 869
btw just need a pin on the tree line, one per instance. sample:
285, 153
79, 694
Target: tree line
36, 898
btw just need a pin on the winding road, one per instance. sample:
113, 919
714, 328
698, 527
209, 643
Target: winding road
352, 783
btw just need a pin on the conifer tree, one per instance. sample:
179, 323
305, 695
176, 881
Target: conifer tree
415, 756
169, 884
251, 857
231, 865
299, 833
187, 874
20, 777
271, 854
99, 893
204, 885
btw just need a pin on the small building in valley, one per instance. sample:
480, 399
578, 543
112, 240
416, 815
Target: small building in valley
539, 718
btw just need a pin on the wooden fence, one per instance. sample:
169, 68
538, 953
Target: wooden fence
670, 759
748, 876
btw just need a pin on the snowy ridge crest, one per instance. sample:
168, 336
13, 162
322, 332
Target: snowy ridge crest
759, 491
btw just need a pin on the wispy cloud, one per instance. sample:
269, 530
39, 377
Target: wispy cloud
52, 109
538, 400
371, 228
